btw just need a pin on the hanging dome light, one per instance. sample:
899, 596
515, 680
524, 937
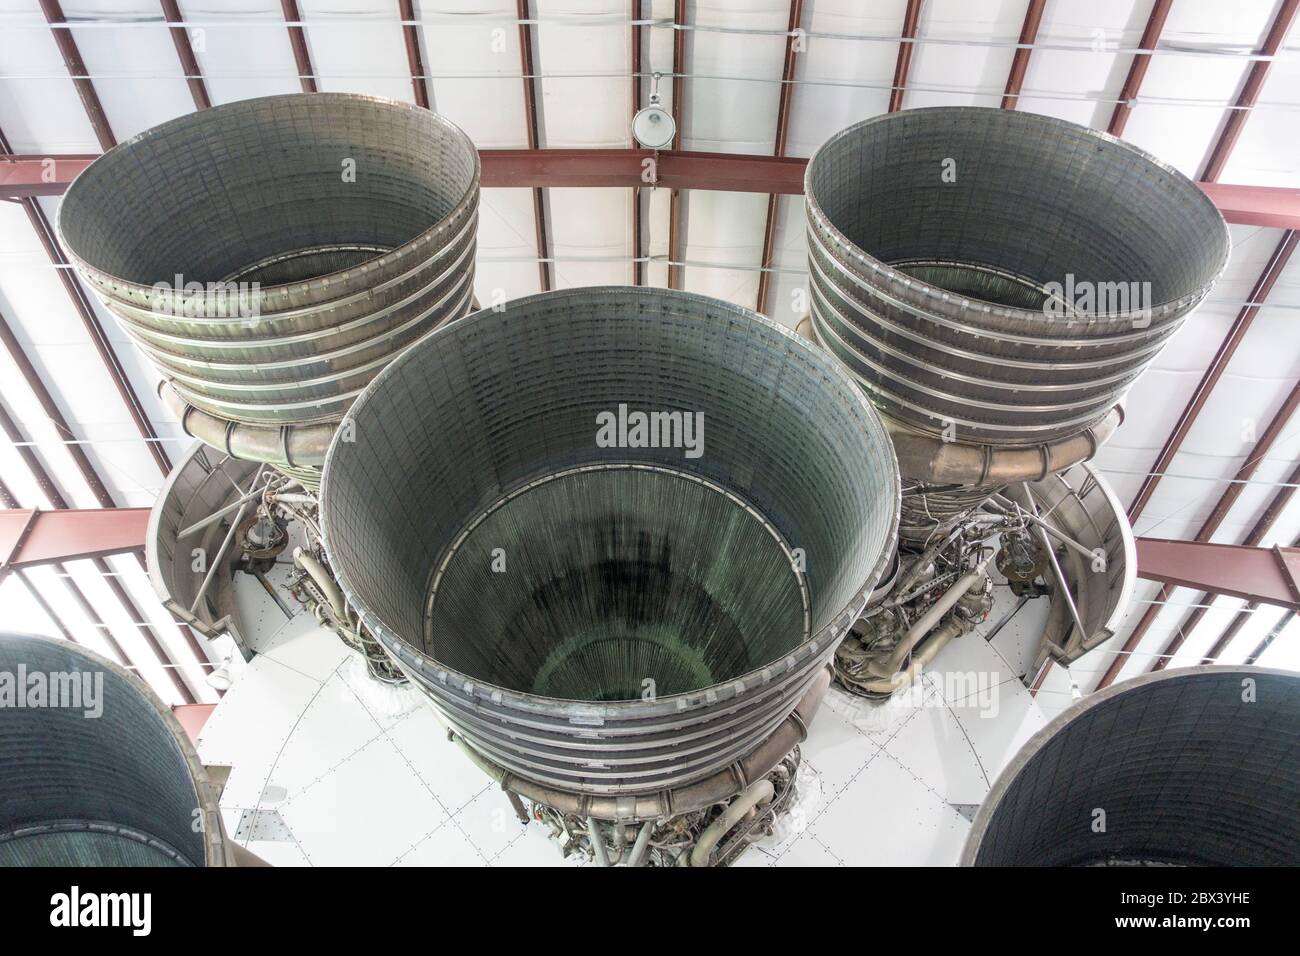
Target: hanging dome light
654, 127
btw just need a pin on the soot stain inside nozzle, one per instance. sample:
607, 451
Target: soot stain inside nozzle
615, 584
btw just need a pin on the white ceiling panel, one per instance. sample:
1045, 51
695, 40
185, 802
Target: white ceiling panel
124, 627
842, 79
1153, 405
1181, 105
243, 52
971, 74
1284, 651
356, 46
787, 301
471, 48
506, 263
583, 52
1082, 85
52, 335
723, 230
23, 615
1265, 153
736, 114
1256, 628
40, 111
655, 221
1197, 643
138, 76
1139, 660
54, 587
136, 583
591, 236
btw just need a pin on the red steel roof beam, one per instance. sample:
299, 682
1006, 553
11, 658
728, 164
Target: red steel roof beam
1250, 90
53, 414
42, 477
638, 267
1020, 62
910, 19
185, 52
77, 71
1275, 508
1210, 526
782, 130
545, 273
675, 199
298, 40
25, 176
1263, 286
29, 537
411, 36
1137, 71
1262, 575
8, 500
1253, 538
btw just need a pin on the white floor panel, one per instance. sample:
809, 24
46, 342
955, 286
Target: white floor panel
1016, 641
490, 823
445, 846
259, 613
368, 811
933, 745
361, 773
307, 647
993, 706
837, 750
333, 727
251, 725
445, 770
278, 854
887, 817
807, 851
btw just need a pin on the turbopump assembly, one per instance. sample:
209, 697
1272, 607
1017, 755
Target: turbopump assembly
995, 281
631, 635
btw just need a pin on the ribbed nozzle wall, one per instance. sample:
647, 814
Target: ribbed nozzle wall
1187, 767
97, 772
615, 534
999, 277
270, 256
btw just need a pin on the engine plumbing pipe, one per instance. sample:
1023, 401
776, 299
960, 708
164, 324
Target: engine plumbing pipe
642, 844
324, 582
928, 621
597, 842
937, 641
757, 794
